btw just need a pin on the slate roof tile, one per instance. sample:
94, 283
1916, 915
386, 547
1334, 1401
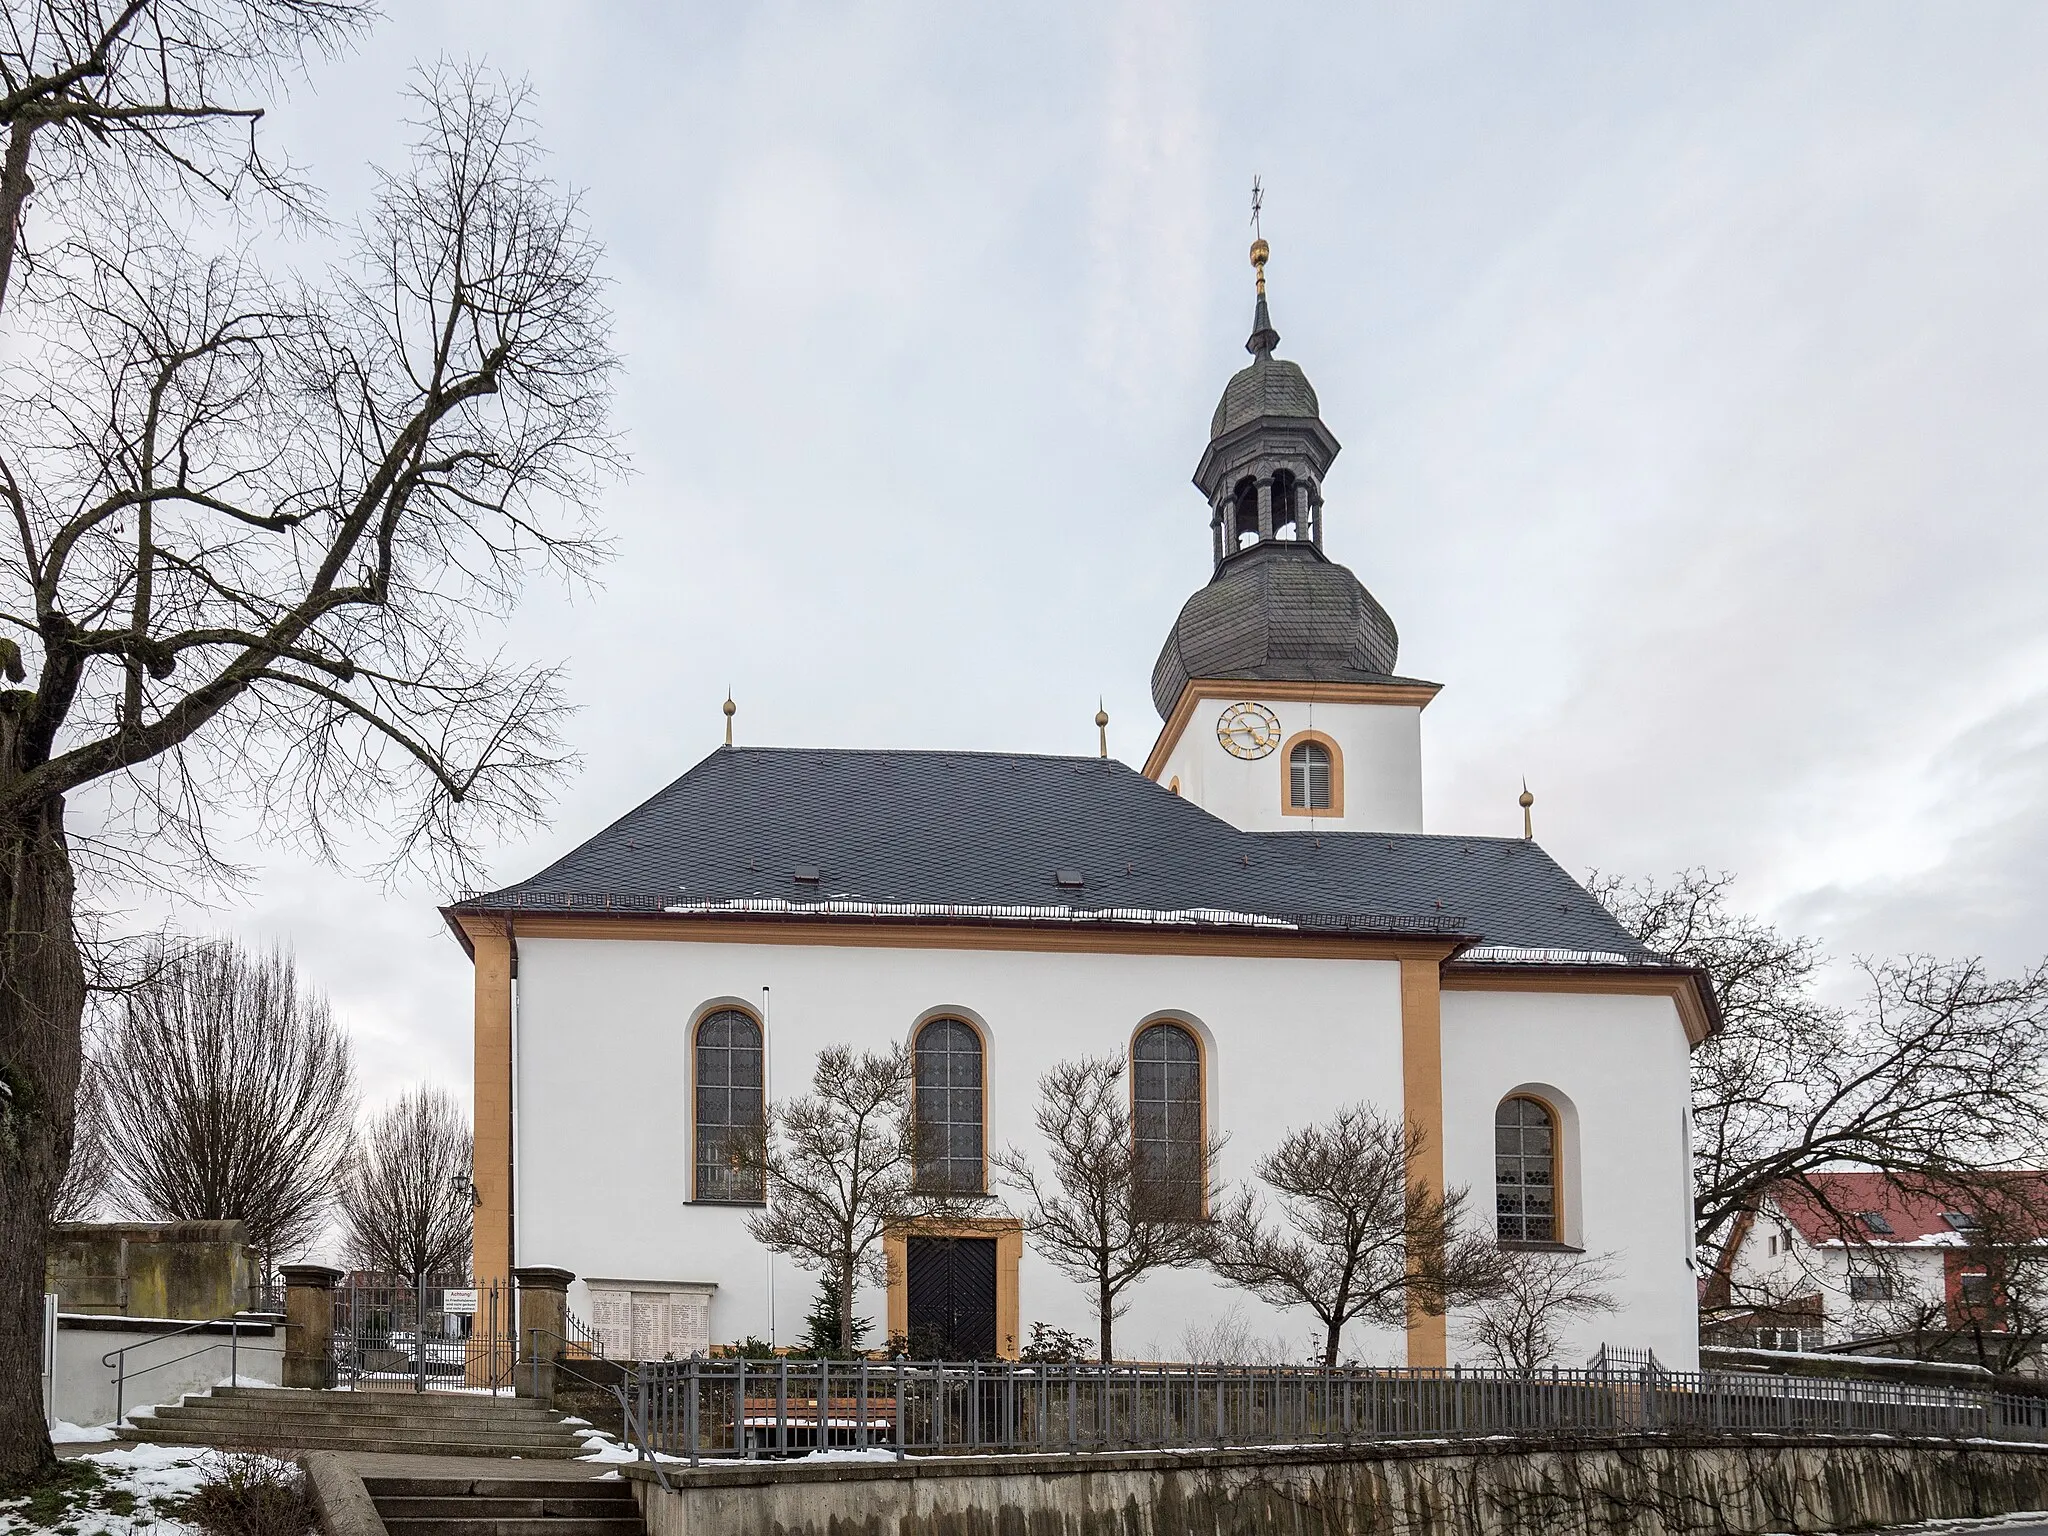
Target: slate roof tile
993, 829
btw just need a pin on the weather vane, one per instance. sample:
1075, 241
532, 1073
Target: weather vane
1258, 203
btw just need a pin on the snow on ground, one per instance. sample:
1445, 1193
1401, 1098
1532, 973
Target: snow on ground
62, 1433
128, 1492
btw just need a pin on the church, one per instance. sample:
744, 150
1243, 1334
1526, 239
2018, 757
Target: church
1256, 921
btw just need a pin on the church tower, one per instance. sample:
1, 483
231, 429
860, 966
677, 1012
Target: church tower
1283, 711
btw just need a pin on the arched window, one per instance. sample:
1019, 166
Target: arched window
949, 1108
1525, 1171
730, 1111
1309, 779
1168, 1136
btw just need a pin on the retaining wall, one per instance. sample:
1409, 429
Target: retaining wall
167, 1364
1648, 1487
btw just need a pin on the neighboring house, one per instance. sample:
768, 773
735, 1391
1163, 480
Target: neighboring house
1874, 1263
1256, 922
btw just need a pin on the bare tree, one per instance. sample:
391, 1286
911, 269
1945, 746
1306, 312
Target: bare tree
1987, 1304
253, 530
130, 102
841, 1165
405, 1198
1938, 1068
1520, 1325
230, 1095
1360, 1235
1102, 1216
88, 1177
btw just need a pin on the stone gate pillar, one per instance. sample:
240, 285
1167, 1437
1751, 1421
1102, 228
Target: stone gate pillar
308, 1324
543, 1329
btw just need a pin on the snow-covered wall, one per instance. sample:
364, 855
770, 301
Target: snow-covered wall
603, 1133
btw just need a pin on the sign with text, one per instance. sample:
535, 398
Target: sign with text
459, 1301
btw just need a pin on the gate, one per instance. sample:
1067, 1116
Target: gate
416, 1336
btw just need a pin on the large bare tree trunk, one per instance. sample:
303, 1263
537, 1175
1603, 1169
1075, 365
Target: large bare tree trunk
42, 1000
1105, 1315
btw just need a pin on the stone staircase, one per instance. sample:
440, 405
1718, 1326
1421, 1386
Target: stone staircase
505, 1506
405, 1423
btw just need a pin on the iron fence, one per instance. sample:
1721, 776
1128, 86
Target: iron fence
701, 1408
418, 1335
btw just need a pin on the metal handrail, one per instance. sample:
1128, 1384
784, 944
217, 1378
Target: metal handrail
118, 1359
632, 1425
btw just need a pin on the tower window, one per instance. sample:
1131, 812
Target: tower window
1309, 777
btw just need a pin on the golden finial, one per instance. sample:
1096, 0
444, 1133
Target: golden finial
1525, 801
1101, 729
730, 709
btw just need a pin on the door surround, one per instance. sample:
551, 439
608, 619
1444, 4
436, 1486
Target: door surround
1008, 1231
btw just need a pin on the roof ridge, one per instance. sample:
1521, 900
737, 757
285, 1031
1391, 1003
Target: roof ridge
1047, 757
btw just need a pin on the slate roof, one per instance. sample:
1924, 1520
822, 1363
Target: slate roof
995, 830
1277, 611
1270, 386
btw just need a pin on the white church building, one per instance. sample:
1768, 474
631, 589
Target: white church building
1257, 918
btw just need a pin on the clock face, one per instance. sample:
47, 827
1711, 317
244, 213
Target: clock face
1248, 730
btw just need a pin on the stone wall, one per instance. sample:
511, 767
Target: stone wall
189, 1270
1639, 1488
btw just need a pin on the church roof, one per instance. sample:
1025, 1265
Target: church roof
878, 833
1277, 611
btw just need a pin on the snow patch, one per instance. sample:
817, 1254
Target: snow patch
65, 1433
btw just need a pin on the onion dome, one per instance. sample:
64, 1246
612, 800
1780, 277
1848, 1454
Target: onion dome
1277, 608
1277, 612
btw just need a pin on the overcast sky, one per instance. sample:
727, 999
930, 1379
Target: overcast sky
1688, 362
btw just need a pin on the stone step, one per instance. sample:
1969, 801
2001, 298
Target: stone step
505, 1507
430, 1401
493, 1525
391, 1418
392, 1429
615, 1489
343, 1441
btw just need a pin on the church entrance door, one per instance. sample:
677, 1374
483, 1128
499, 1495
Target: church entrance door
951, 1289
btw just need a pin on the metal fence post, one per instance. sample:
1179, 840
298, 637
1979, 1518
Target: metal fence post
691, 1407
899, 1407
235, 1353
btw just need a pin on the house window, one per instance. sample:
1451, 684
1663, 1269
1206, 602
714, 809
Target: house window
1525, 1171
730, 1113
1308, 777
1868, 1283
1168, 1133
949, 1108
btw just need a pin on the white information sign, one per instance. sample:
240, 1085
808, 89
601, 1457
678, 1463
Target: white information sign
459, 1301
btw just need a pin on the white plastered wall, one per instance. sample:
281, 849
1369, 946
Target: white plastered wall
1381, 747
603, 1140
1616, 1067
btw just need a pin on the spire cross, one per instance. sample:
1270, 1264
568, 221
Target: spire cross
1258, 205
